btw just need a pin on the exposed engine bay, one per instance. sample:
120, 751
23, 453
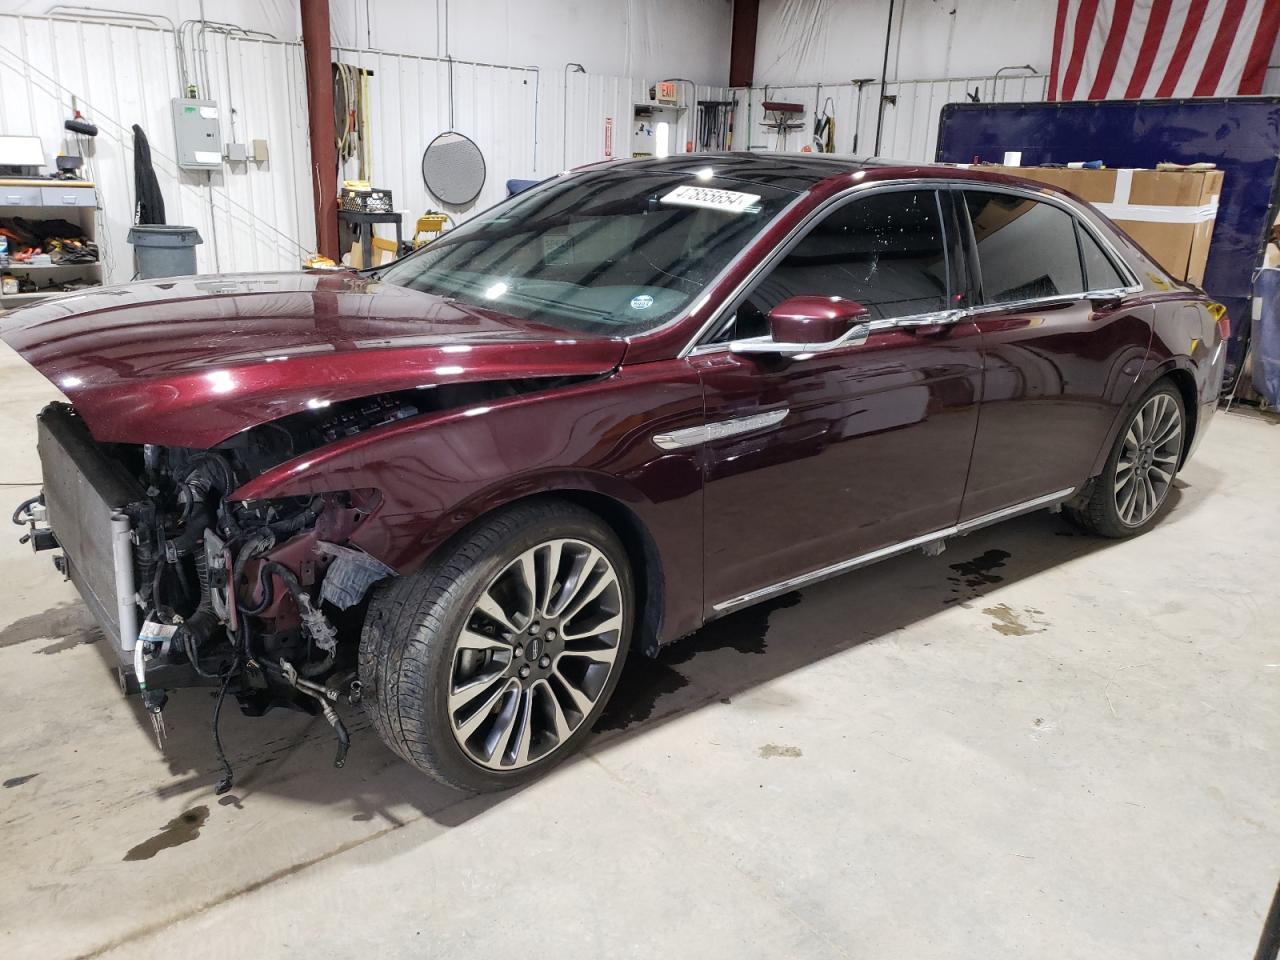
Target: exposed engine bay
263, 599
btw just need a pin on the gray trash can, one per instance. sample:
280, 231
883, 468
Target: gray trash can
164, 250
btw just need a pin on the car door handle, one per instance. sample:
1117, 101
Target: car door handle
937, 319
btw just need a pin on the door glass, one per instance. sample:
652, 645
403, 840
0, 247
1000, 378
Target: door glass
885, 251
1026, 249
1100, 273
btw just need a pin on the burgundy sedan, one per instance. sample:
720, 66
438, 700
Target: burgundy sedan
632, 399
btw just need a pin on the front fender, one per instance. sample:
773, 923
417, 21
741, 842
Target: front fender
439, 472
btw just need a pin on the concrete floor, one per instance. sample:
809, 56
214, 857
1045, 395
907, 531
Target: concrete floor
1037, 744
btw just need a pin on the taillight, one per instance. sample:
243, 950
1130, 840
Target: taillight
1219, 313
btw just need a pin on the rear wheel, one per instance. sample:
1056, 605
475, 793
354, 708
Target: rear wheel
490, 666
1133, 489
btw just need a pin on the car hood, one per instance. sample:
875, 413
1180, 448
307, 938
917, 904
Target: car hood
190, 361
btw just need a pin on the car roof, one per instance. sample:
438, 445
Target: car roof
800, 172
788, 171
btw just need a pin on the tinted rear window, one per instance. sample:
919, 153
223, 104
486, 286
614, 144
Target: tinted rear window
1026, 249
1100, 272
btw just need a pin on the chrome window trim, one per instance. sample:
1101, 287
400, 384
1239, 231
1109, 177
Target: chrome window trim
695, 347
883, 553
855, 337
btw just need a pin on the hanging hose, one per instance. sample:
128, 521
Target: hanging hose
21, 516
314, 623
229, 777
255, 548
195, 631
321, 696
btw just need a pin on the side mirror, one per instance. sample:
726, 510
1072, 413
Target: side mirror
806, 324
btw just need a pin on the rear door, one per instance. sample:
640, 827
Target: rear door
1060, 347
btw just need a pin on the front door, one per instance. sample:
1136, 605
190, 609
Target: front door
816, 460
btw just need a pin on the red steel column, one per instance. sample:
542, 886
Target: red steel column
742, 42
316, 46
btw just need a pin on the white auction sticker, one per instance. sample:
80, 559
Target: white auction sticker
730, 201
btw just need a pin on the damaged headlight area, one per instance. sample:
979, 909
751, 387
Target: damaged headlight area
262, 599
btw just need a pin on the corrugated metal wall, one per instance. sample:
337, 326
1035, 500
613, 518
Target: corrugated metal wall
122, 75
593, 99
265, 217
910, 129
259, 216
495, 106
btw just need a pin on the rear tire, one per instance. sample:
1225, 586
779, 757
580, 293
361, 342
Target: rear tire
488, 667
1132, 492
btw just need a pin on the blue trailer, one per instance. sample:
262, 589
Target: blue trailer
1239, 134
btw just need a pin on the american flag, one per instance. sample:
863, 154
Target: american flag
1126, 49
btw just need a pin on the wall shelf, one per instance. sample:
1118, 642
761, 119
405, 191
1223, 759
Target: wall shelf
37, 198
48, 266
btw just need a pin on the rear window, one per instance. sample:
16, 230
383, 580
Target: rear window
1099, 272
1026, 249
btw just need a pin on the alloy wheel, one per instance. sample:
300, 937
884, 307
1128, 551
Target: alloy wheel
1148, 459
535, 654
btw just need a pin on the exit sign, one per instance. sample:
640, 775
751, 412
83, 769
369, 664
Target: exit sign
668, 92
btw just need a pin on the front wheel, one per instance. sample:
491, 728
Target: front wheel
1129, 495
490, 666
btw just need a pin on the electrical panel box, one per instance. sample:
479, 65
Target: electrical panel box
199, 141
259, 151
235, 152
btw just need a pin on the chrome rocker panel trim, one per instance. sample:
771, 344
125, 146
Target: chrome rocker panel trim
884, 553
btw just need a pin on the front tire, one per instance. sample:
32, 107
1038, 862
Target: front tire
489, 667
1131, 493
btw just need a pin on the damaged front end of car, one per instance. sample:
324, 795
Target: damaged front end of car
197, 587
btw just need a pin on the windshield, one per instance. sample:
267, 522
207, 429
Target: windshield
608, 251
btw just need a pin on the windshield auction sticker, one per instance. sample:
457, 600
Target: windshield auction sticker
730, 201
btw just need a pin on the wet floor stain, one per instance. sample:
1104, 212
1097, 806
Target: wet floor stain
19, 781
774, 750
1006, 620
643, 683
977, 572
972, 575
742, 632
61, 622
79, 638
181, 829
646, 680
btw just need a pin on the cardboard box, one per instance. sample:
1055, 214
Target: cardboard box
1169, 213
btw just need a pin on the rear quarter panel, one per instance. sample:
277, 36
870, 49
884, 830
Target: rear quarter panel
1187, 338
1187, 344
